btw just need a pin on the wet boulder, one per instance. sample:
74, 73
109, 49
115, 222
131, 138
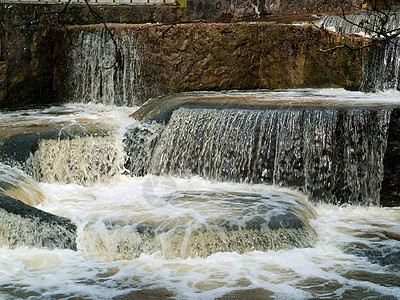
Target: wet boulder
24, 225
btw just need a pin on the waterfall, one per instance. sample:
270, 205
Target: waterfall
16, 184
381, 66
104, 72
81, 160
381, 70
332, 155
22, 224
75, 157
70, 144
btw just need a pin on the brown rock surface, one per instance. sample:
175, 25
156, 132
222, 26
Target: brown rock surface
233, 10
202, 56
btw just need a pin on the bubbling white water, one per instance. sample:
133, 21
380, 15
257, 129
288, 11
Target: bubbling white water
355, 253
182, 218
330, 269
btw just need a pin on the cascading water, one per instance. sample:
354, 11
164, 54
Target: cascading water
381, 66
200, 223
81, 160
103, 71
23, 225
66, 145
229, 234
332, 155
93, 155
15, 184
162, 236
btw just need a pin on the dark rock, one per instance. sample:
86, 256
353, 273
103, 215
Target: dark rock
27, 49
374, 256
139, 143
145, 229
392, 259
234, 10
18, 148
390, 191
285, 221
224, 10
255, 223
23, 225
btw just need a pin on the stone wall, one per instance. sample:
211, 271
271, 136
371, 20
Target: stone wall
311, 6
176, 57
233, 10
225, 10
27, 55
201, 56
26, 63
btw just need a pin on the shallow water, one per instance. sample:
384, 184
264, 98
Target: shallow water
355, 252
291, 97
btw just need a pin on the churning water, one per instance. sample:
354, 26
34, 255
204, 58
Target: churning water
150, 236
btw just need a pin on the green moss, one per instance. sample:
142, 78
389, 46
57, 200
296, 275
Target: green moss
44, 33
86, 15
182, 2
181, 14
17, 79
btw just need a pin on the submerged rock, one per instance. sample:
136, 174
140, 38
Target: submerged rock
392, 259
237, 223
130, 241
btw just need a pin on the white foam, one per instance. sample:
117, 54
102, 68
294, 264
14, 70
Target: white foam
346, 261
326, 270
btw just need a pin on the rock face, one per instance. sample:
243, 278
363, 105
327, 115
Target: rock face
26, 70
390, 193
227, 10
173, 57
310, 6
224, 10
26, 42
197, 56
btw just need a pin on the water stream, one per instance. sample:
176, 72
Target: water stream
258, 194
287, 147
168, 231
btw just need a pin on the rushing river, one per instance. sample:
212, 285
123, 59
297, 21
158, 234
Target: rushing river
186, 238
